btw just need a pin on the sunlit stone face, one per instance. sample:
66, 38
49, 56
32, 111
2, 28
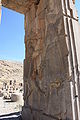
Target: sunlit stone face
21, 6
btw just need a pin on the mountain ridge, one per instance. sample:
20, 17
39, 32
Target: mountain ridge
11, 70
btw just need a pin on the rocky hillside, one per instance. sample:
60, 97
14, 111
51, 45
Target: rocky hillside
10, 70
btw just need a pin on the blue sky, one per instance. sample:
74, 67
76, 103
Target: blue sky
78, 7
12, 34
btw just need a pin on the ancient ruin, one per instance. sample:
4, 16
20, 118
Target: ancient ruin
52, 59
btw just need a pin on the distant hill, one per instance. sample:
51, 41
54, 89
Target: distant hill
11, 70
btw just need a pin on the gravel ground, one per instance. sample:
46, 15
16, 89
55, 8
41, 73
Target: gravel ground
7, 107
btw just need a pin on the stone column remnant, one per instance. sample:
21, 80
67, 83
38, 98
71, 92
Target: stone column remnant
52, 59
47, 75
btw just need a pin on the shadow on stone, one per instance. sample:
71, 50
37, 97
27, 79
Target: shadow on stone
12, 116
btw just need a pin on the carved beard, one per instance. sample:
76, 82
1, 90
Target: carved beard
37, 2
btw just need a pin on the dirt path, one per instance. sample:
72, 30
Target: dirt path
9, 107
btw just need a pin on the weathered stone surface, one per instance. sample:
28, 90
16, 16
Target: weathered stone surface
47, 62
48, 77
21, 6
49, 51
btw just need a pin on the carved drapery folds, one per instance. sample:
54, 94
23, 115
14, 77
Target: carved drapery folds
34, 44
34, 53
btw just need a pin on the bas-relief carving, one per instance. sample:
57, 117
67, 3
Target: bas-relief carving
34, 49
35, 46
44, 64
44, 54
